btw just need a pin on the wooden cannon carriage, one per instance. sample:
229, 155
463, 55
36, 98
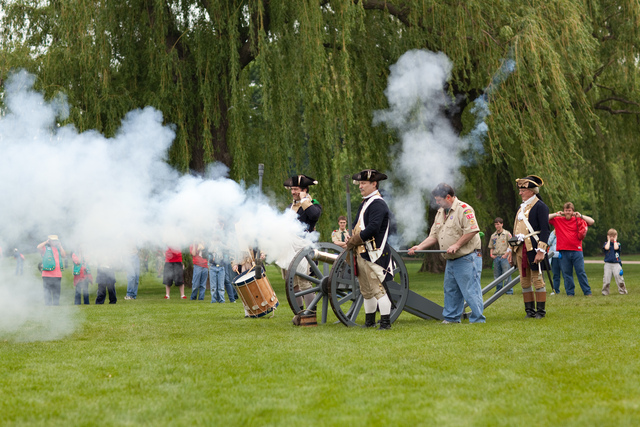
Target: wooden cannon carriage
334, 283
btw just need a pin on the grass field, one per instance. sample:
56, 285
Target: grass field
175, 362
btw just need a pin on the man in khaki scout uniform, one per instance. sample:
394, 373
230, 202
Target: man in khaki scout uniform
498, 248
369, 242
532, 230
456, 229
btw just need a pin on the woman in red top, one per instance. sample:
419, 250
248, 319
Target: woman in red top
52, 274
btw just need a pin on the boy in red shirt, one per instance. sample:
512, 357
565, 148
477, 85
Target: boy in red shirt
567, 223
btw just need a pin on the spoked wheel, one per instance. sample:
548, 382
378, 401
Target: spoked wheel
317, 274
344, 292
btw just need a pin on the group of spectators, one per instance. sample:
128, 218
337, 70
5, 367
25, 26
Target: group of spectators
565, 253
456, 231
215, 265
52, 266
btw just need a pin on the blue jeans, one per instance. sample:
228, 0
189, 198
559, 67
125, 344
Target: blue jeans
133, 276
569, 261
82, 287
199, 282
478, 262
501, 266
557, 271
461, 282
216, 282
231, 291
229, 277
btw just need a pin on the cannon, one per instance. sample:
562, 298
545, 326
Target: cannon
333, 283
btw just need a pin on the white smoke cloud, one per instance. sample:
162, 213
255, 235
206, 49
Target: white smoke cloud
23, 318
480, 109
109, 195
430, 151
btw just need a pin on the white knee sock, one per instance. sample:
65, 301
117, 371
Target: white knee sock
370, 305
385, 305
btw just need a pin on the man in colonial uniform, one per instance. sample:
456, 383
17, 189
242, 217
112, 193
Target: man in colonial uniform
531, 228
456, 229
369, 242
308, 210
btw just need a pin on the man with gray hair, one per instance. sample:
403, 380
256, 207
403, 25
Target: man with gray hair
456, 229
529, 253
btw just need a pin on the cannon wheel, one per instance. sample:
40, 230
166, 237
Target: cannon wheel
319, 279
344, 292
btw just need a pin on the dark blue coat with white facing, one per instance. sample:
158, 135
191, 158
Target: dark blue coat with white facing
539, 220
376, 221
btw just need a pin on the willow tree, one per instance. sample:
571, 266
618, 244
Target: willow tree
294, 84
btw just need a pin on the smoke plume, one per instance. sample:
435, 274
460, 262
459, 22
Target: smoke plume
110, 195
430, 150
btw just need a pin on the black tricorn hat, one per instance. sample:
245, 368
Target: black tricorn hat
303, 181
530, 181
369, 175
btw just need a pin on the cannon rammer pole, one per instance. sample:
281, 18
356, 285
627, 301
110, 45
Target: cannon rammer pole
347, 179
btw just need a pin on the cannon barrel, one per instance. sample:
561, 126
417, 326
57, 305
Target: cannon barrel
325, 256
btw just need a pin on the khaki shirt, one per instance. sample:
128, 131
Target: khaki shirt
460, 220
337, 236
499, 242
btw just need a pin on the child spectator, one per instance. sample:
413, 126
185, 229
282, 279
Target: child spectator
499, 251
106, 280
555, 263
612, 263
81, 278
341, 235
19, 262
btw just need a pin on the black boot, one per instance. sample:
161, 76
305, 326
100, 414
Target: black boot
541, 311
370, 320
385, 322
530, 308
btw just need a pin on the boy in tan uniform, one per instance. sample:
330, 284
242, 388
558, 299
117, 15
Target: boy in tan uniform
498, 250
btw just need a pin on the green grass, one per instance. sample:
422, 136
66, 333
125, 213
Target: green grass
625, 257
175, 362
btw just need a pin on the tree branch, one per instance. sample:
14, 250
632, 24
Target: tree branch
600, 105
402, 13
597, 74
249, 48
